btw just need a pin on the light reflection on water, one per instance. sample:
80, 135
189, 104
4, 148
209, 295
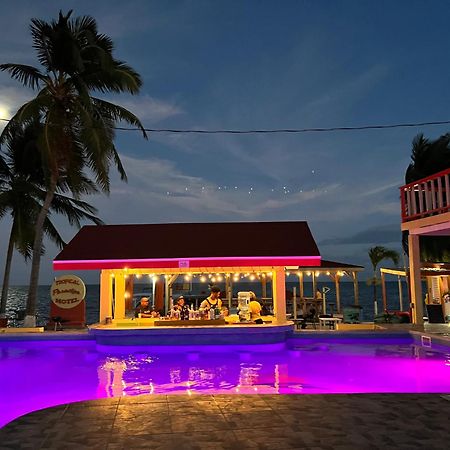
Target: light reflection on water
34, 375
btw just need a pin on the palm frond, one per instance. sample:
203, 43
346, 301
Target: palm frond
27, 75
119, 114
53, 234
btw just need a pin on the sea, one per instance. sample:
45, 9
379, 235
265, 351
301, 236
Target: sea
17, 297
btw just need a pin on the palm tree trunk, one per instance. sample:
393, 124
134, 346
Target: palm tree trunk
375, 300
30, 319
5, 284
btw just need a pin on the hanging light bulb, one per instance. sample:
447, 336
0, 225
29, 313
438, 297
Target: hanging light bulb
252, 277
202, 278
219, 278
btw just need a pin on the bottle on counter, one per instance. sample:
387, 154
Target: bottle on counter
216, 312
211, 314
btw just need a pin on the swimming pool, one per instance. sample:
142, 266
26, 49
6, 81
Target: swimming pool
35, 375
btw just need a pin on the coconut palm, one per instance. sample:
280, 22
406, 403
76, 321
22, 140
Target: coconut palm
22, 194
376, 255
78, 128
427, 158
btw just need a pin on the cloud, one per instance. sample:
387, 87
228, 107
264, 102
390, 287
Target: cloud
383, 234
150, 110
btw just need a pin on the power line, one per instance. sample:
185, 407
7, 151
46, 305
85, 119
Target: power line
283, 130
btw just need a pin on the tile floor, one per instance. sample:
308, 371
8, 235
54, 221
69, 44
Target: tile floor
222, 422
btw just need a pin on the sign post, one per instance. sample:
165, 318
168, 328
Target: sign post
68, 305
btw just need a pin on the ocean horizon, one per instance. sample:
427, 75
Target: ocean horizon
17, 297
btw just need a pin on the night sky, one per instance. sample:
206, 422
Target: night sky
261, 65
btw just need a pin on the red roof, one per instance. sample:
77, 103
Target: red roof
177, 245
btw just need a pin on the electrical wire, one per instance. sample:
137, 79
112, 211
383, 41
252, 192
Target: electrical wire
282, 130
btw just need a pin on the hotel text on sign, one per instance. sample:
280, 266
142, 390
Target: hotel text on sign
68, 291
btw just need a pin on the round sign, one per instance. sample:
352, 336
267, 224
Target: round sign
67, 291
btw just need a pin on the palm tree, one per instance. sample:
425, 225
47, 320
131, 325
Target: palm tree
78, 128
376, 255
22, 194
427, 158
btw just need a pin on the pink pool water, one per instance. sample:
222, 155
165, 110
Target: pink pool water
35, 375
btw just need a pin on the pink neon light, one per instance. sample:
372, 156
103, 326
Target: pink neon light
225, 261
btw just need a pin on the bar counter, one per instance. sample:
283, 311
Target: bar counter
144, 332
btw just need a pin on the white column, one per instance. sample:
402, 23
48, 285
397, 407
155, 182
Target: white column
415, 278
279, 294
119, 297
105, 295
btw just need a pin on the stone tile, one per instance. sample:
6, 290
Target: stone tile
275, 437
109, 401
417, 421
189, 398
202, 422
252, 419
158, 424
148, 441
208, 440
143, 411
193, 407
229, 405
81, 442
144, 398
86, 412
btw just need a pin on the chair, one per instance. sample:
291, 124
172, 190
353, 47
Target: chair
352, 314
58, 321
310, 318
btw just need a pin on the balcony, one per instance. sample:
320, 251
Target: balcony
426, 197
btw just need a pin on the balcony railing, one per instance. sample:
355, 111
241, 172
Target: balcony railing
426, 197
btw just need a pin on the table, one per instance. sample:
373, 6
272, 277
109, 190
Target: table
330, 321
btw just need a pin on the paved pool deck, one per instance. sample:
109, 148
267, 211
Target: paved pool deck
182, 422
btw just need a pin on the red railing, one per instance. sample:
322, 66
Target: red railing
426, 197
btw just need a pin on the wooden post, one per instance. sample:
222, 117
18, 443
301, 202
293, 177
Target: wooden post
338, 293
301, 293
263, 286
105, 295
314, 284
129, 289
355, 287
279, 294
400, 292
158, 295
229, 289
119, 295
383, 291
415, 279
294, 302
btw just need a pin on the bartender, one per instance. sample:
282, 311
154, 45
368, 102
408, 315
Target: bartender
255, 309
212, 301
144, 309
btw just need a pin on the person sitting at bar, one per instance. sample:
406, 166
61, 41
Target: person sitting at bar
255, 309
212, 301
144, 309
182, 308
224, 311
